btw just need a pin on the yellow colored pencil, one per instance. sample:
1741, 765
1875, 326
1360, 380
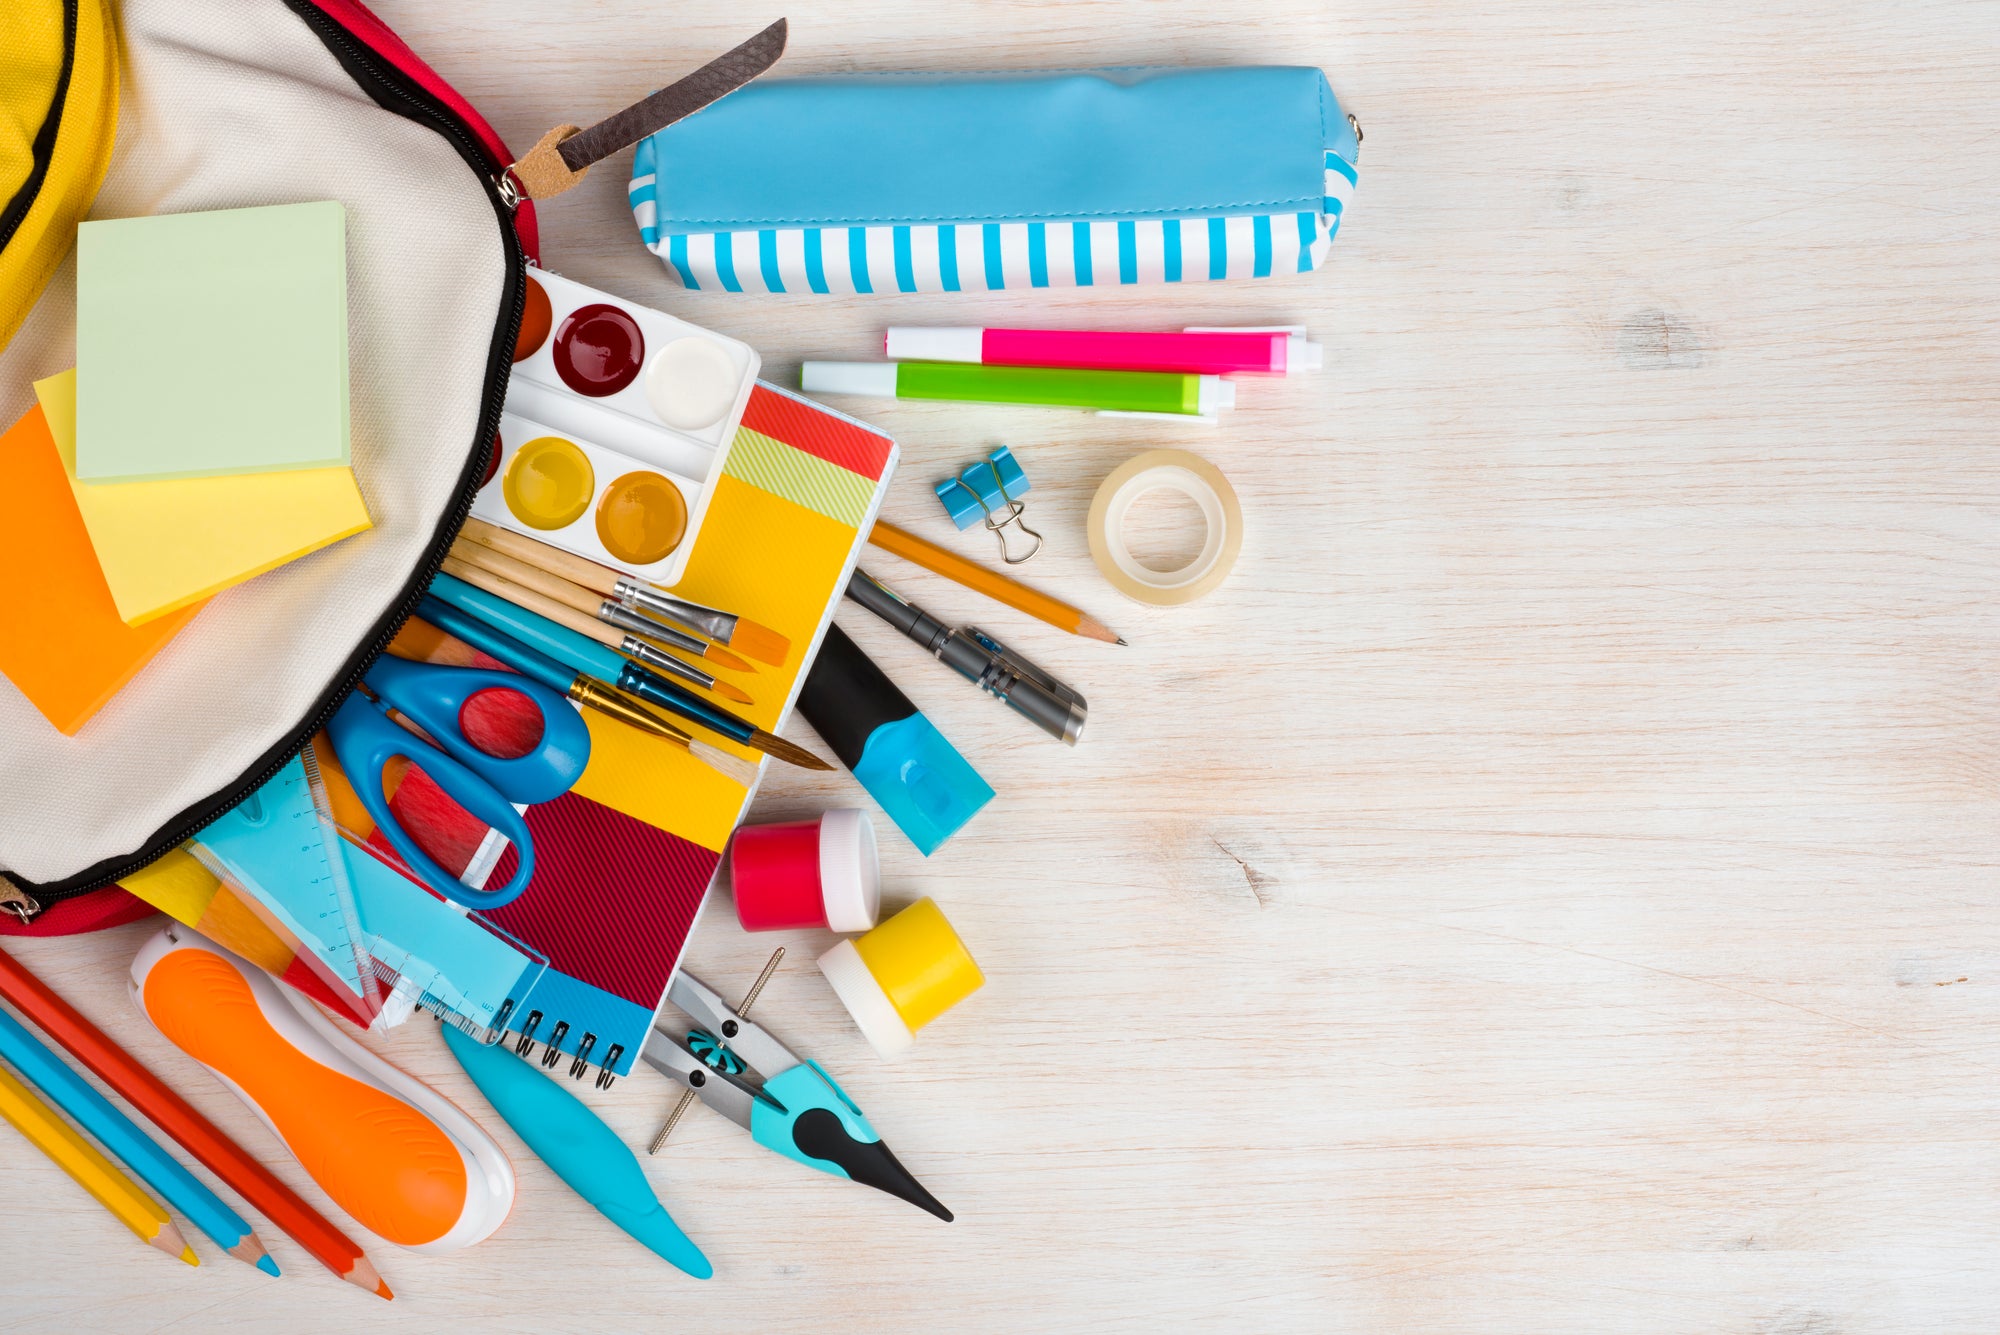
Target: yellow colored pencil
49, 1133
1000, 588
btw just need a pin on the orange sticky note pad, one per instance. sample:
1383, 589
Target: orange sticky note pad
61, 639
166, 543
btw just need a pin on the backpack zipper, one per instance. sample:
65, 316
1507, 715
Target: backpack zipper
42, 150
377, 79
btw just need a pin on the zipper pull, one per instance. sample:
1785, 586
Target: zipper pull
562, 156
18, 902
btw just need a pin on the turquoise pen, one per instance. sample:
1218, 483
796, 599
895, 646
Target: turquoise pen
117, 1133
1110, 393
577, 1146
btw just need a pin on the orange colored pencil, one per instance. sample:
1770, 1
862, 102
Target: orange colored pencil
199, 1136
992, 583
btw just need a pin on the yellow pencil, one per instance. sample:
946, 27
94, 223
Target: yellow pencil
1000, 588
49, 1133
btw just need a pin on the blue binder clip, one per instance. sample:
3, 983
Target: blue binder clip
991, 489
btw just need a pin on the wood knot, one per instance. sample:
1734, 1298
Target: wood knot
1654, 340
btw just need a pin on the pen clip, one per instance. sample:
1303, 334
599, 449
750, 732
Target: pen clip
1022, 668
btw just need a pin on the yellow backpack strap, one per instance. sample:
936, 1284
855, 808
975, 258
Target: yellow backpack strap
58, 114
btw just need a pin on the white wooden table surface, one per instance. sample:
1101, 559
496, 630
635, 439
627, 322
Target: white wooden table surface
1547, 889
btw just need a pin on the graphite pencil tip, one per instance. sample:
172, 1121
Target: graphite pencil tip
1093, 628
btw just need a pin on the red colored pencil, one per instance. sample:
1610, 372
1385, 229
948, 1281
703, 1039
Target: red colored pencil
199, 1136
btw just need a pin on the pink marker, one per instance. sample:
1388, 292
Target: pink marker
1276, 350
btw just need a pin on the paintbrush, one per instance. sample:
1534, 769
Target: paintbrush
738, 632
563, 609
585, 690
564, 590
509, 607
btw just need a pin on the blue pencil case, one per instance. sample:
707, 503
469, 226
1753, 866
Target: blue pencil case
982, 182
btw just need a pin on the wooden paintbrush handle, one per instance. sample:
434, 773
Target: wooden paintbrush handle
534, 602
527, 576
540, 555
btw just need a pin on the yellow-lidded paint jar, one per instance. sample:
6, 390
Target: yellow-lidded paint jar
899, 977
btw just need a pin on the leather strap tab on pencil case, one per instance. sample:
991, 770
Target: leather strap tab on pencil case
945, 183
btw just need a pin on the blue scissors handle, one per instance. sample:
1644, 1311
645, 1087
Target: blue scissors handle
434, 697
486, 786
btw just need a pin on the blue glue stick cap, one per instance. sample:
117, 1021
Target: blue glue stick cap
924, 784
905, 763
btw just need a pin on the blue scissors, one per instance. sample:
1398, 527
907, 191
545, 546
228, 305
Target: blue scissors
433, 696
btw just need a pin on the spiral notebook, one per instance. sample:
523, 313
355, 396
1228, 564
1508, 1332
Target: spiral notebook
623, 862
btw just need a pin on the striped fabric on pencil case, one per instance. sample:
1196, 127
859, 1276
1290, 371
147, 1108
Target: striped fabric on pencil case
988, 181
993, 257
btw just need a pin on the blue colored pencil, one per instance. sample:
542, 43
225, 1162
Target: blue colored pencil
142, 1154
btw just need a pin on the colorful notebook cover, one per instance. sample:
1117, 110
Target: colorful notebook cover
212, 343
623, 861
164, 545
61, 639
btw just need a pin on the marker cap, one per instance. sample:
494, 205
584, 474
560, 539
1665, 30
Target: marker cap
876, 378
952, 344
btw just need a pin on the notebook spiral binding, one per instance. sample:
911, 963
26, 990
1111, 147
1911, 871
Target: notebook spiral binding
552, 1053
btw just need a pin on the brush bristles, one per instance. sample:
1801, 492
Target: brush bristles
722, 658
778, 748
736, 768
731, 691
760, 642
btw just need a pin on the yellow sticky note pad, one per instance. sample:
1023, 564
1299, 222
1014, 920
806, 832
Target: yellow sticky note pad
751, 551
167, 543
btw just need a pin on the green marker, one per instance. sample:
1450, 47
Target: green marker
1109, 393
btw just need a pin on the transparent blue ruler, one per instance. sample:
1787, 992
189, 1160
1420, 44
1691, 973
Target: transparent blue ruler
280, 847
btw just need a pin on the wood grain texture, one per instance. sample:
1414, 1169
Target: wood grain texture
1547, 889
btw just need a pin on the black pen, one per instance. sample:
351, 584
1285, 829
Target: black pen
1049, 704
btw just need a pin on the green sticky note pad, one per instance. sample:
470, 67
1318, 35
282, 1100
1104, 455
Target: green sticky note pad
211, 343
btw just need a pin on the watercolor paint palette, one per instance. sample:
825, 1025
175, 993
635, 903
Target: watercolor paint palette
562, 488
619, 419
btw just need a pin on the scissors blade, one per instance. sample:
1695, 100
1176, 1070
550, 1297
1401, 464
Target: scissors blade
717, 79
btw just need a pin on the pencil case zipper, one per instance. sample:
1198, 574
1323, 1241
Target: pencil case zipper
399, 92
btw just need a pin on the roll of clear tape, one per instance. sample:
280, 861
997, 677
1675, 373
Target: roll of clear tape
1201, 482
